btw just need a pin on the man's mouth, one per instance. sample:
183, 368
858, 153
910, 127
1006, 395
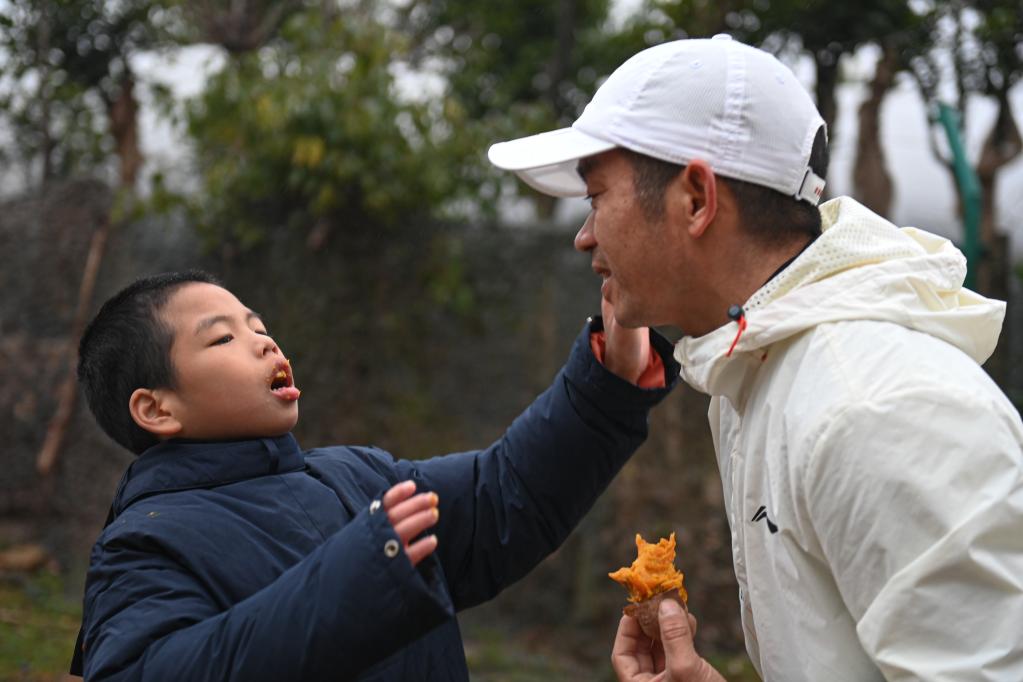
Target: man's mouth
282, 382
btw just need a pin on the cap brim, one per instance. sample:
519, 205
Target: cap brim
547, 162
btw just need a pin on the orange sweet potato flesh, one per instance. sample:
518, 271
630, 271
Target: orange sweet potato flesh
651, 578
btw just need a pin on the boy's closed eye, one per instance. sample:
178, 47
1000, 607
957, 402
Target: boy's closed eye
227, 338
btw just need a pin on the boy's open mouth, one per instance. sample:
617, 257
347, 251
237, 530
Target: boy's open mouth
281, 382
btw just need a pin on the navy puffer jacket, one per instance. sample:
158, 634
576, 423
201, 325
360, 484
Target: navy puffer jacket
253, 560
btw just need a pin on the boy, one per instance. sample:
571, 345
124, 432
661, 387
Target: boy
232, 554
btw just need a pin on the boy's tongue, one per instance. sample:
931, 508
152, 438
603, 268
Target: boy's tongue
287, 393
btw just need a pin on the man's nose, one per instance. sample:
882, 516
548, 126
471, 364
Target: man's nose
584, 239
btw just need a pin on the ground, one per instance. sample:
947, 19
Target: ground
40, 614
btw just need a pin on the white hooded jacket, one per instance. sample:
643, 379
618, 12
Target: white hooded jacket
872, 471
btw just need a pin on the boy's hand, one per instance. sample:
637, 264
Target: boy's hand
626, 351
411, 514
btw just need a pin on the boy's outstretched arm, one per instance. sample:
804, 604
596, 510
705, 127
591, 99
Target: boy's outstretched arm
343, 608
505, 508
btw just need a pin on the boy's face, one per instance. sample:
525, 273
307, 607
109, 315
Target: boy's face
232, 381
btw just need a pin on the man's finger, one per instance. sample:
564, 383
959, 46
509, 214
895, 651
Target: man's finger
676, 634
681, 660
631, 654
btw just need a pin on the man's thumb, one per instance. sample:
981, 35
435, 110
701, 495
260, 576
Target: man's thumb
680, 657
676, 635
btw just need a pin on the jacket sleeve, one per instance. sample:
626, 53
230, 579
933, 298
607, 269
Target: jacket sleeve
917, 501
344, 607
505, 508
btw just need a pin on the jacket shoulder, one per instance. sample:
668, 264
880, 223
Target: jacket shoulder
368, 467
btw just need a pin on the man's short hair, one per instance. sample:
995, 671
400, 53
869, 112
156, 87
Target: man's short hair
127, 346
768, 216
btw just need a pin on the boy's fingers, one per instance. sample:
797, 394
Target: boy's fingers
416, 524
399, 492
412, 505
420, 549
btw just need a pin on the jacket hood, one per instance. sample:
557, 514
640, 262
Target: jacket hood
862, 267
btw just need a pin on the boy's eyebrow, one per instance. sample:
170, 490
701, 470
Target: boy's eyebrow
212, 320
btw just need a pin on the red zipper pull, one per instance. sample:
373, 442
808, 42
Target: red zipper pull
737, 314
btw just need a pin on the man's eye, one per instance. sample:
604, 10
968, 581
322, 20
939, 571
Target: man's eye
227, 338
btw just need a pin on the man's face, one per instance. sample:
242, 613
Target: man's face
637, 257
232, 381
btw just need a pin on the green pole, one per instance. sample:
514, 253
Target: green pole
969, 190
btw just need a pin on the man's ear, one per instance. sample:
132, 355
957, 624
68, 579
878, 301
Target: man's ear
150, 410
700, 186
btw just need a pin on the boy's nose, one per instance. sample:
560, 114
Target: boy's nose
584, 239
268, 346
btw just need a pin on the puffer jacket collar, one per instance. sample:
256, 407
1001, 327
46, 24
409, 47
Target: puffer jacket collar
185, 464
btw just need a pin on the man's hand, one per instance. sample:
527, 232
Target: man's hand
626, 351
411, 514
672, 659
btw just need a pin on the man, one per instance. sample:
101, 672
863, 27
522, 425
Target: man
871, 469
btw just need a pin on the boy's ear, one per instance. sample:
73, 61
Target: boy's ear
150, 411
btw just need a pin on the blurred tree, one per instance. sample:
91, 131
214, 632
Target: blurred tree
515, 68
977, 51
237, 25
71, 107
825, 31
497, 56
70, 97
310, 132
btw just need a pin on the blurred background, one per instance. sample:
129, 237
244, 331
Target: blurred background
327, 158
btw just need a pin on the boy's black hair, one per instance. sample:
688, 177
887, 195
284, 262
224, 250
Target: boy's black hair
127, 346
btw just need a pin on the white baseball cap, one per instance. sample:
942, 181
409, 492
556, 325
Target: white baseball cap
734, 106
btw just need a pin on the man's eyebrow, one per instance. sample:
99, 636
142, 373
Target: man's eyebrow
208, 322
584, 167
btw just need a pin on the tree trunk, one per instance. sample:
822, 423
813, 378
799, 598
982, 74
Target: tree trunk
46, 99
1002, 145
123, 112
557, 68
872, 184
824, 89
46, 460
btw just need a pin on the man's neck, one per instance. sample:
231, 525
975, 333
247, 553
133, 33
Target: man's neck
751, 268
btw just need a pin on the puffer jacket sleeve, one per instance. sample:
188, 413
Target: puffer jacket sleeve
917, 501
505, 508
344, 607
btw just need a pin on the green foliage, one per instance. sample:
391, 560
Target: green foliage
500, 55
515, 69
38, 627
309, 133
1000, 34
61, 66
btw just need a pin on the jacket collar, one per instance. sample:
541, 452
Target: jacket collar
185, 464
862, 267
